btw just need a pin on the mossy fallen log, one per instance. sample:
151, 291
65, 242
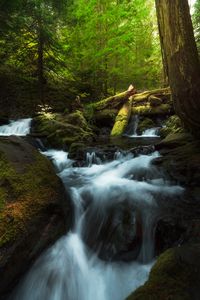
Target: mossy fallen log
118, 100
114, 101
122, 119
148, 110
146, 96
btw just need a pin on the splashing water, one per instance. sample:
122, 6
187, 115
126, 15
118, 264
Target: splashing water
70, 270
92, 158
20, 127
152, 132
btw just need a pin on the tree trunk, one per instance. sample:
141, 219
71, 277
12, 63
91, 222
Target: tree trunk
181, 57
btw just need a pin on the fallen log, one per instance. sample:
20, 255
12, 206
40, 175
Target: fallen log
122, 119
114, 101
148, 110
146, 96
118, 100
123, 116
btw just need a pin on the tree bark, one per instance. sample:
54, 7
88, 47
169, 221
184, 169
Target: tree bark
181, 58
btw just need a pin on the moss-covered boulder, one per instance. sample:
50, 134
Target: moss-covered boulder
34, 211
62, 130
172, 125
105, 118
175, 276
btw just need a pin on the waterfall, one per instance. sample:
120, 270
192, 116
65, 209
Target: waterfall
151, 132
133, 126
59, 159
20, 127
116, 197
92, 158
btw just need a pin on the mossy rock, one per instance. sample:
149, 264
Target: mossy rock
61, 130
76, 151
105, 118
175, 276
34, 211
144, 124
172, 125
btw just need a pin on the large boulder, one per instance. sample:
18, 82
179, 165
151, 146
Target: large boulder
34, 210
175, 276
62, 130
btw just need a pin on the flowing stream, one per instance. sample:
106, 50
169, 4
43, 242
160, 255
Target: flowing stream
20, 127
133, 127
115, 204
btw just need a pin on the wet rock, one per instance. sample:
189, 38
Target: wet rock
34, 209
4, 120
115, 233
144, 124
169, 232
175, 275
61, 130
180, 159
172, 125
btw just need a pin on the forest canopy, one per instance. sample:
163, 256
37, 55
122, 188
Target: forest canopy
91, 48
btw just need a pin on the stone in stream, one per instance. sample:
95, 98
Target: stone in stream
34, 210
175, 276
114, 232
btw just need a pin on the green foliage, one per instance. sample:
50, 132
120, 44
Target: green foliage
196, 23
94, 47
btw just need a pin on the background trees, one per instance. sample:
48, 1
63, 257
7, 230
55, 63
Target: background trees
94, 47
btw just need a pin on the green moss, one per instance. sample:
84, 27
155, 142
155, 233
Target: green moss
175, 276
145, 124
172, 125
121, 120
149, 110
63, 130
23, 195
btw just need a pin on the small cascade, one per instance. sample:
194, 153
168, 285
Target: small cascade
59, 158
92, 158
133, 126
151, 132
118, 155
113, 203
20, 127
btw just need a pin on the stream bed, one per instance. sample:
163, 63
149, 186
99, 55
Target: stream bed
110, 248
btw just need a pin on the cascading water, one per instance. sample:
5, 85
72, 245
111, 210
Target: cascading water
92, 158
133, 126
71, 269
151, 132
20, 127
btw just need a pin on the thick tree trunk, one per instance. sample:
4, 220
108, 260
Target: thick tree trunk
181, 58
